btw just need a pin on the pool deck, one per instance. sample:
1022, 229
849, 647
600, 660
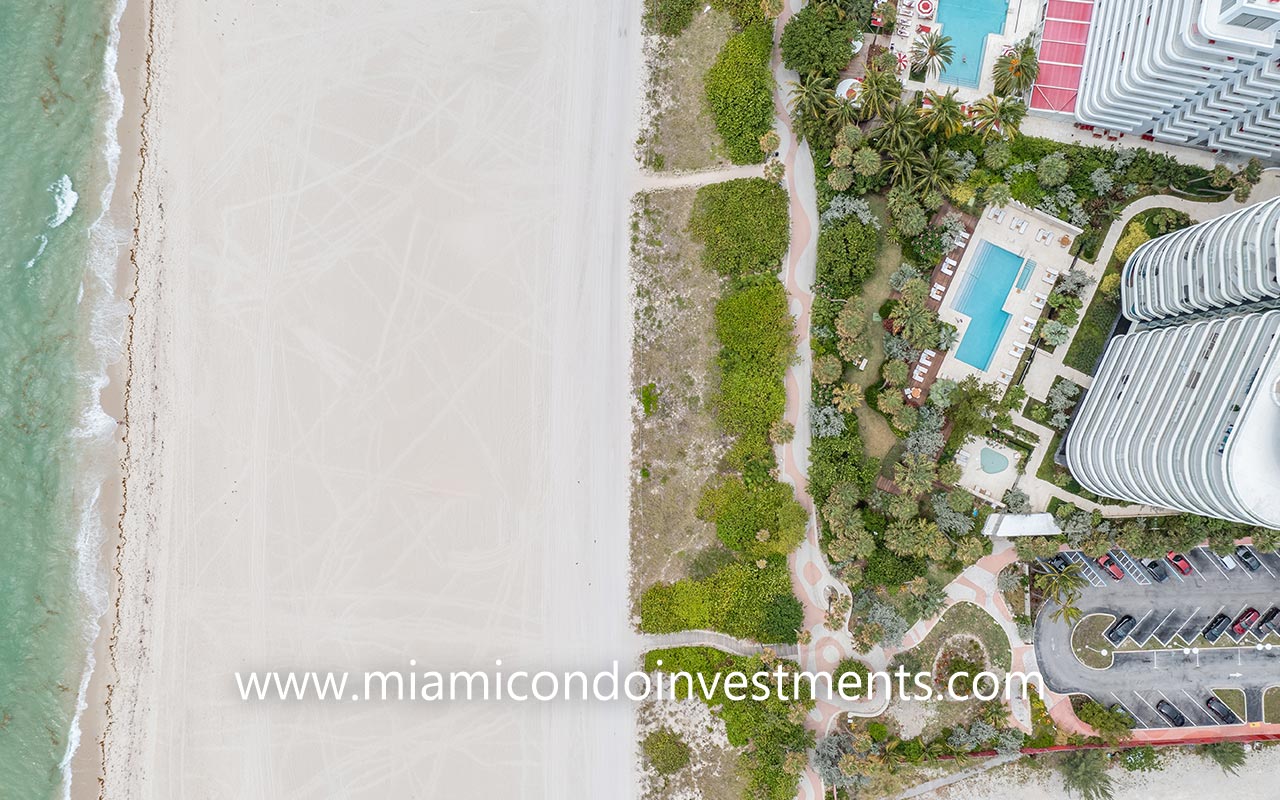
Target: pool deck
986, 486
1019, 304
1020, 20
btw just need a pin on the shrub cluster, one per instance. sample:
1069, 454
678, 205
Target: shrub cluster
739, 89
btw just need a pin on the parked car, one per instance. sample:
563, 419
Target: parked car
1179, 562
1120, 710
1216, 627
1157, 571
1170, 712
1059, 562
1122, 627
1245, 621
1247, 558
1109, 564
1228, 563
1270, 622
1221, 711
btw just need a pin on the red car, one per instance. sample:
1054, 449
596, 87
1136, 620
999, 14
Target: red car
1245, 621
1179, 562
1109, 564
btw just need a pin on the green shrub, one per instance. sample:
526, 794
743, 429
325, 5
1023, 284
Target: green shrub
666, 751
669, 17
744, 12
739, 89
768, 731
756, 520
741, 600
742, 224
754, 327
886, 568
846, 256
878, 731
1134, 236
840, 459
816, 40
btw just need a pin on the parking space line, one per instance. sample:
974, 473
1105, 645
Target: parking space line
1160, 625
1213, 559
1148, 702
1131, 567
1129, 711
1138, 624
1086, 569
1174, 571
1213, 720
1178, 632
1262, 562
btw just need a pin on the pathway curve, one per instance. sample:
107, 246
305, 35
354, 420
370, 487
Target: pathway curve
947, 780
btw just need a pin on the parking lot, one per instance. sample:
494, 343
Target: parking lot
1165, 657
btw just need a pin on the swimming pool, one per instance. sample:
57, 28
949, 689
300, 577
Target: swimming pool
993, 461
981, 297
968, 22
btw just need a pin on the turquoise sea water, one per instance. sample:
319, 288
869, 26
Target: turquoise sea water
58, 106
968, 22
986, 286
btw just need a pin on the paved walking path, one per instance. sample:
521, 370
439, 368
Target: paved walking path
685, 180
720, 641
947, 780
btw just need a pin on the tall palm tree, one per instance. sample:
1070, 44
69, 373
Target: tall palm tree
1060, 583
998, 117
935, 172
809, 97
841, 111
899, 127
932, 53
900, 164
942, 114
1067, 611
880, 90
1015, 71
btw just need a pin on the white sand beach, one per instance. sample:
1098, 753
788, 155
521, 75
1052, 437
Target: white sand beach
378, 396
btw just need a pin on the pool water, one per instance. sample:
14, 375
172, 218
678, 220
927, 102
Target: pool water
968, 22
993, 462
981, 297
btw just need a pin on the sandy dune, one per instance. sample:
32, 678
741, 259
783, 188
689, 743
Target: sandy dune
378, 406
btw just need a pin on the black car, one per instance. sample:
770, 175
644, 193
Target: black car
1117, 632
1221, 711
1059, 562
1248, 558
1270, 622
1157, 571
1216, 628
1171, 713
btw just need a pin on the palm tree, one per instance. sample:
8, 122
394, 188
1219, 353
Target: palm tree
911, 321
880, 90
915, 475
1059, 583
1016, 70
1067, 610
998, 194
899, 127
941, 114
996, 116
932, 53
900, 164
866, 162
841, 111
935, 172
809, 97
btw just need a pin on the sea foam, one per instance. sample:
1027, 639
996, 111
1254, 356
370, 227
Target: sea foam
65, 197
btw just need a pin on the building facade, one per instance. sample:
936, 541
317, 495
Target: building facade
1184, 411
1201, 73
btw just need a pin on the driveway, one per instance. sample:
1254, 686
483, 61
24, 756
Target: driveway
1170, 616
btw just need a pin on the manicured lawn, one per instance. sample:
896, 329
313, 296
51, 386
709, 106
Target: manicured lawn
1088, 642
967, 618
1271, 705
877, 437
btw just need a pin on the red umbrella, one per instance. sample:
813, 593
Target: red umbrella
902, 61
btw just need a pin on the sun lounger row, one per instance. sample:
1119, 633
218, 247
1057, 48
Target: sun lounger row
937, 292
997, 214
949, 266
1019, 225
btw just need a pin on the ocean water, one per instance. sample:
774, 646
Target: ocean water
59, 328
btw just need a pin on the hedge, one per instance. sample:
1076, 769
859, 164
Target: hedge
846, 256
755, 329
739, 89
741, 600
743, 226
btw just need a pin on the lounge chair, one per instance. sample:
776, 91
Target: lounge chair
1017, 350
993, 213
1053, 273
1022, 227
1038, 302
1013, 224
962, 244
1049, 278
919, 375
1027, 327
962, 457
926, 358
936, 292
948, 267
1004, 378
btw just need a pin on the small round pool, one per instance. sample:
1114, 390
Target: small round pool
993, 462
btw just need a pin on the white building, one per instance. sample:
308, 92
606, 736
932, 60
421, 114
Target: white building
1202, 73
1225, 262
1184, 411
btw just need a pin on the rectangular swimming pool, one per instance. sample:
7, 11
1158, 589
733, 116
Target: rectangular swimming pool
968, 22
981, 297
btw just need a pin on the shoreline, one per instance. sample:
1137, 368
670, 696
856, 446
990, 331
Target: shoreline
132, 73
